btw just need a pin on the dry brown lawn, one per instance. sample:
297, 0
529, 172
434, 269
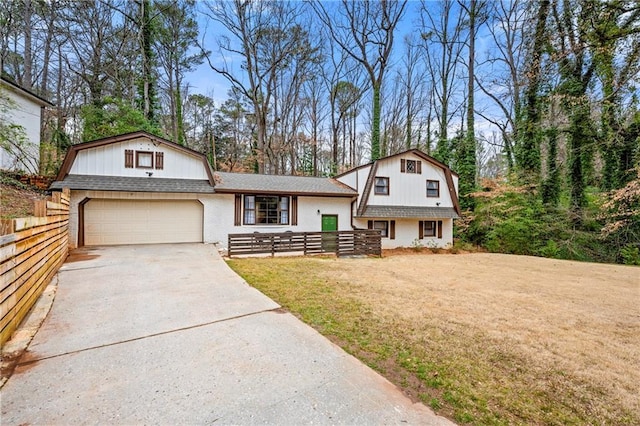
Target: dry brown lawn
482, 338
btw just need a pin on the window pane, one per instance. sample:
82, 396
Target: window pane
429, 228
381, 226
145, 159
433, 188
249, 202
269, 210
381, 186
411, 166
249, 217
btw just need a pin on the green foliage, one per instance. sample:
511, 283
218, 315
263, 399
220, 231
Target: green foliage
510, 219
113, 117
621, 213
13, 138
630, 255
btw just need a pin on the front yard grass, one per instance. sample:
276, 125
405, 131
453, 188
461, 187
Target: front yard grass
480, 338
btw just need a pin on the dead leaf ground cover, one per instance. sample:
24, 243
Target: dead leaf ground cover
481, 338
16, 199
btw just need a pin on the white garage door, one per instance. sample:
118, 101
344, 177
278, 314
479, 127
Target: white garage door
142, 222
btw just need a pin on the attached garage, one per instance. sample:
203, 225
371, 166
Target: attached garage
116, 221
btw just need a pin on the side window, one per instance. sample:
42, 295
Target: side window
387, 228
433, 188
381, 186
429, 228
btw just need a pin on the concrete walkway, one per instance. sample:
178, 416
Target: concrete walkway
168, 334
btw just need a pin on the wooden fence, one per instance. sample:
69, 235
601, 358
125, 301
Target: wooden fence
342, 243
32, 249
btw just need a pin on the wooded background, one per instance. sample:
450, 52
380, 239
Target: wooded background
540, 96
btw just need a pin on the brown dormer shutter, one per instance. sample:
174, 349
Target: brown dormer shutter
419, 167
159, 160
128, 158
403, 165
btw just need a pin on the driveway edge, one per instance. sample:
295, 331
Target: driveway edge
12, 351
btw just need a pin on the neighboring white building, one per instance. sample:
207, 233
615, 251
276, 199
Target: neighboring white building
410, 197
138, 188
24, 109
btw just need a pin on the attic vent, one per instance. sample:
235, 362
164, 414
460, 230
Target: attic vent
411, 166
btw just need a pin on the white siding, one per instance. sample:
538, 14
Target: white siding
357, 179
410, 189
26, 113
220, 217
407, 233
219, 213
108, 160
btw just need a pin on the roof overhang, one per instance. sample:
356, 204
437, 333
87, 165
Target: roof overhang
132, 184
404, 212
26, 93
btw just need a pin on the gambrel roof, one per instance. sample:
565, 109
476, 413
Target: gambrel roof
365, 210
74, 149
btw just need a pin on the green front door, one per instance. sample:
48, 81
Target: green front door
329, 222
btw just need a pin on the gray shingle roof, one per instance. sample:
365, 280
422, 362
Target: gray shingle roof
409, 212
241, 182
132, 184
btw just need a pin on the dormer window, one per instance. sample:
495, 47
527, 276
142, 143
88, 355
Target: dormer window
144, 160
411, 166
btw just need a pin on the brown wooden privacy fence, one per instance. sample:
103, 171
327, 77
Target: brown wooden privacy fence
32, 249
342, 243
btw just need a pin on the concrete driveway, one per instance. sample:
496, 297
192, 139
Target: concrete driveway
168, 334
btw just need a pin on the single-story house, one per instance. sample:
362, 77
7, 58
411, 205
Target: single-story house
21, 107
138, 188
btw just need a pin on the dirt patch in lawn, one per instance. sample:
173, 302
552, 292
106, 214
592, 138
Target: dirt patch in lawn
17, 200
481, 338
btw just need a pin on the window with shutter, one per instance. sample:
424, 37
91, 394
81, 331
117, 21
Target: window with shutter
429, 228
266, 210
382, 226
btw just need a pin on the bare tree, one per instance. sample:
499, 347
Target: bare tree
442, 34
261, 33
502, 83
365, 31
